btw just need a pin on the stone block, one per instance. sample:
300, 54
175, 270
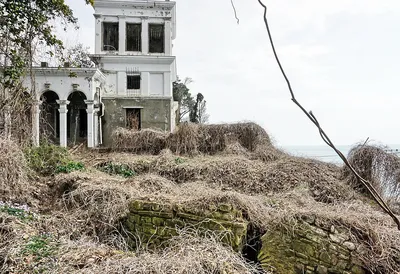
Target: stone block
225, 207
349, 245
158, 221
321, 269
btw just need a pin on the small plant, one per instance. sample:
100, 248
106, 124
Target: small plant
69, 167
179, 160
17, 212
45, 158
39, 246
117, 169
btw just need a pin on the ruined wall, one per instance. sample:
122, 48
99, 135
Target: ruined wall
155, 113
306, 247
309, 247
154, 223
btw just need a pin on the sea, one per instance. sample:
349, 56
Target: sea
327, 154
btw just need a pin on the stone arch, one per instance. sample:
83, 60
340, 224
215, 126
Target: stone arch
41, 93
49, 116
68, 94
77, 117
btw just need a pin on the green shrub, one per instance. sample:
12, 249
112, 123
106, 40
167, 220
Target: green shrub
45, 158
17, 212
39, 247
179, 160
117, 169
69, 167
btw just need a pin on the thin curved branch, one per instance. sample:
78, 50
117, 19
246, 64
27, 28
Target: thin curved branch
234, 10
374, 193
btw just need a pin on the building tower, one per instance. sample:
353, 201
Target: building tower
133, 49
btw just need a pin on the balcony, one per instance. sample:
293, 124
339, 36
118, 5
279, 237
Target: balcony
133, 92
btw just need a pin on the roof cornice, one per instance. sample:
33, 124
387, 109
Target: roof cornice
129, 59
71, 72
135, 4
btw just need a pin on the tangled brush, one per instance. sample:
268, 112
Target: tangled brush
148, 141
247, 139
379, 167
13, 171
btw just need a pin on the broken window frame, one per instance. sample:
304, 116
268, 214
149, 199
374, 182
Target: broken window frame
156, 44
134, 37
110, 40
133, 118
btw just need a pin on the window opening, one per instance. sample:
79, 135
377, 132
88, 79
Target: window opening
134, 37
156, 38
110, 36
133, 119
133, 82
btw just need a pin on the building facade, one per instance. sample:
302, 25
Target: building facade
131, 85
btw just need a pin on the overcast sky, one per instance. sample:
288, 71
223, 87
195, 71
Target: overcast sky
341, 56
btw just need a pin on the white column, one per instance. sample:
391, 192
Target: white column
145, 83
96, 127
167, 38
98, 34
121, 82
90, 128
167, 84
36, 123
63, 109
145, 36
122, 34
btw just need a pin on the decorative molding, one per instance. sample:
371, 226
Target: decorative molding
139, 4
47, 85
75, 87
63, 103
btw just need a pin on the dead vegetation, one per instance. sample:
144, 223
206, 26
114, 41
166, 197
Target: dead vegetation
379, 167
240, 174
80, 226
193, 139
147, 141
14, 170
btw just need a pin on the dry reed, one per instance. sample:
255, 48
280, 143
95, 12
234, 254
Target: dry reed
13, 172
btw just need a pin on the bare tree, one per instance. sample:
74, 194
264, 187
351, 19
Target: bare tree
203, 115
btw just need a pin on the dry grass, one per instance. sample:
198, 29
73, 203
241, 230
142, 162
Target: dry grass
13, 172
147, 141
371, 229
191, 139
186, 253
235, 164
382, 169
240, 174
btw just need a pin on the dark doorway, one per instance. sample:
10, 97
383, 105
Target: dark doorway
76, 118
49, 117
133, 119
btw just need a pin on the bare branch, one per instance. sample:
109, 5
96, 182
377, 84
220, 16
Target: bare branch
375, 195
234, 10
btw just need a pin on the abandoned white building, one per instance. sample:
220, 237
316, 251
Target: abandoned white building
131, 85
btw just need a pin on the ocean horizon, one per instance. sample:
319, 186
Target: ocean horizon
327, 154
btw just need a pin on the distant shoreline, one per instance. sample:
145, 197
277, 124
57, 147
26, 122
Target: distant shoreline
325, 153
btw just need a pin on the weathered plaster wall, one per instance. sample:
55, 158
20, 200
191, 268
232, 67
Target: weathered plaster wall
155, 113
309, 248
154, 223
